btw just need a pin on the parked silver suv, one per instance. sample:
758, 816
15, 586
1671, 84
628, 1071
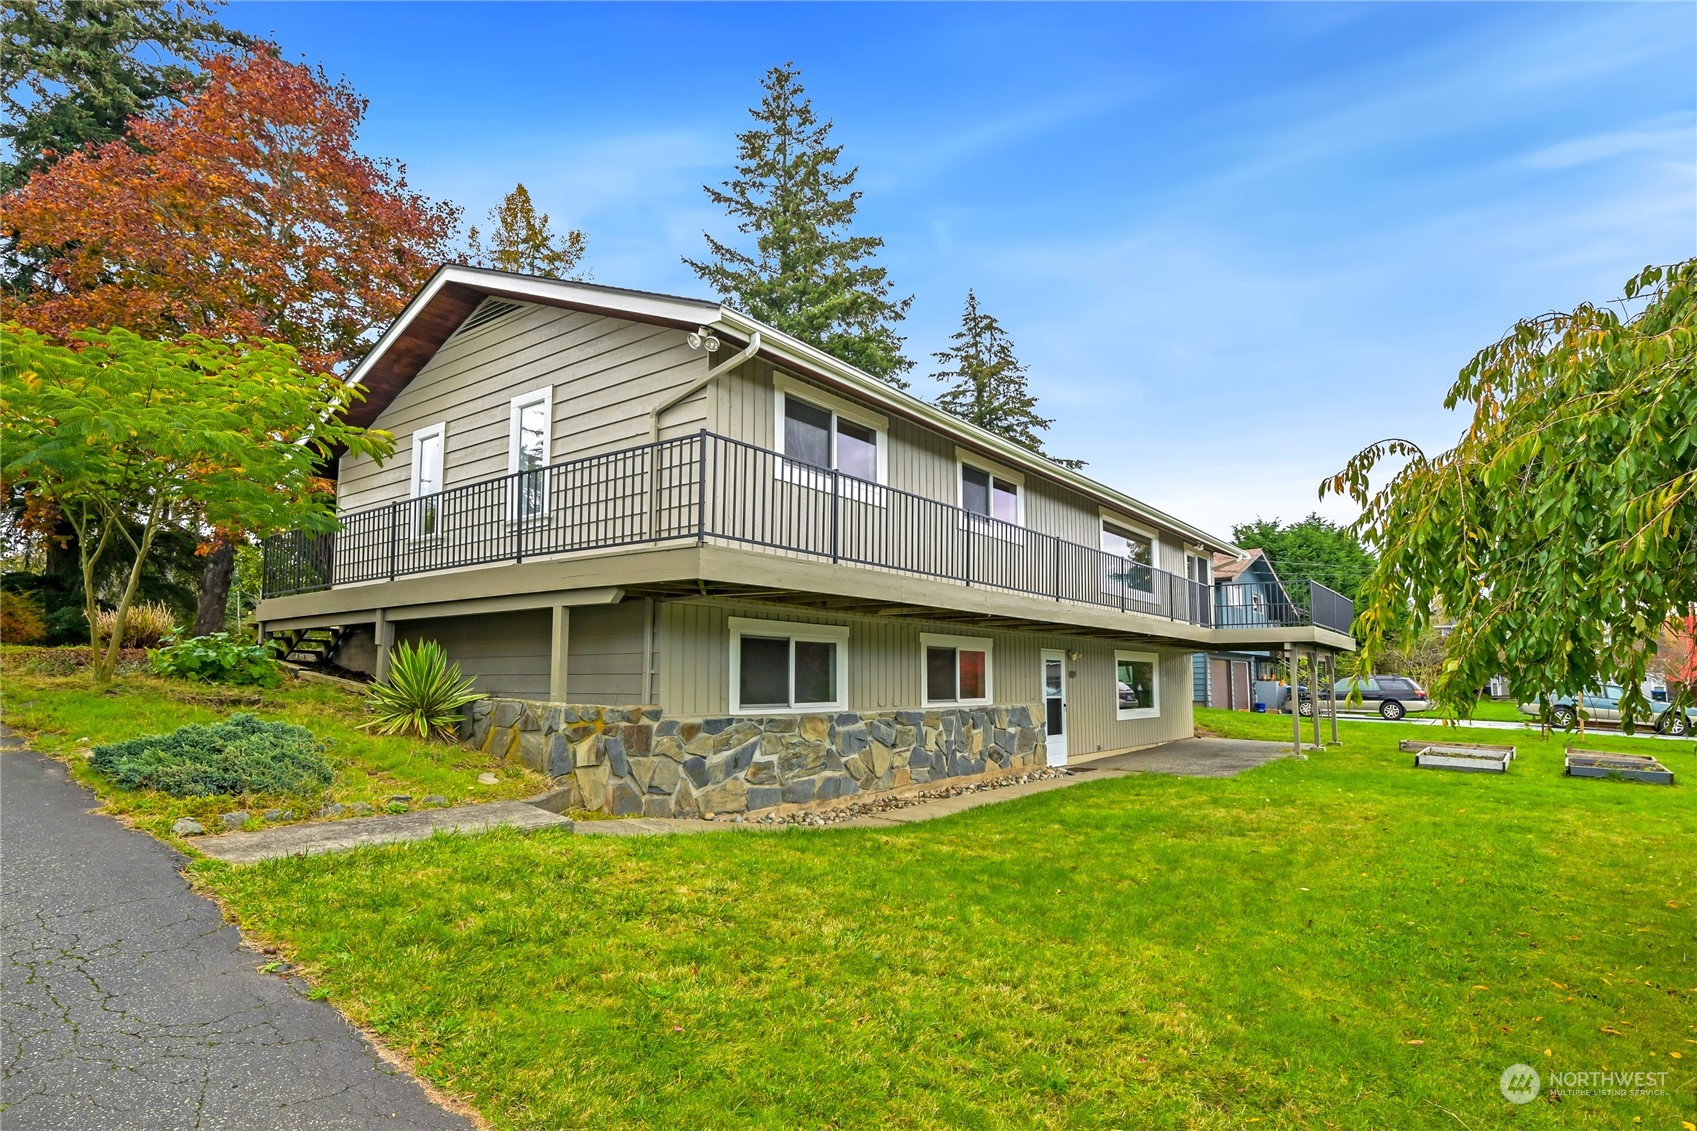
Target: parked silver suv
1603, 706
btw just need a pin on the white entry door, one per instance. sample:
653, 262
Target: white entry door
1055, 705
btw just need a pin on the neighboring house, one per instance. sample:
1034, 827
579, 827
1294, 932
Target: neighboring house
1247, 594
756, 574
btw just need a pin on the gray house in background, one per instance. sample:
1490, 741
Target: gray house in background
701, 564
1247, 593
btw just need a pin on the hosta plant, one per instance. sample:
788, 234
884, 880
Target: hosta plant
423, 694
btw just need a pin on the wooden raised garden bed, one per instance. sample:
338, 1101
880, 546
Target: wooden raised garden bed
1470, 757
1633, 767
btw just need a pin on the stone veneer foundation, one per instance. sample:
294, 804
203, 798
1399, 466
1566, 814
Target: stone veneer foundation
632, 760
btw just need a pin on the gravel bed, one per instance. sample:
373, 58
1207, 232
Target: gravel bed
874, 805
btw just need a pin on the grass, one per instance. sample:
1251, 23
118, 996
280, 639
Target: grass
1338, 942
64, 716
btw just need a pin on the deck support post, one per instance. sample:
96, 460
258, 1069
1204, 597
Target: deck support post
1295, 703
384, 630
1332, 675
559, 647
1314, 691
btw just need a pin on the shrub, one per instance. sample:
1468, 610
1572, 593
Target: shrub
218, 658
21, 619
242, 755
147, 625
423, 694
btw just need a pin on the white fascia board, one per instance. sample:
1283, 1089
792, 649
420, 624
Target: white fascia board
584, 296
784, 347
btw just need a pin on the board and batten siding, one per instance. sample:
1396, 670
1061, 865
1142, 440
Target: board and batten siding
923, 462
503, 653
885, 671
606, 373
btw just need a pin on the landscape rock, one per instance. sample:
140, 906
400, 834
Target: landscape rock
487, 778
334, 809
236, 819
360, 809
186, 826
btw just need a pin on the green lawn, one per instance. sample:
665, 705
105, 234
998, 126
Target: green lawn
65, 717
1338, 942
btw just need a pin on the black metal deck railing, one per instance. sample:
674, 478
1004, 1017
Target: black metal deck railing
710, 488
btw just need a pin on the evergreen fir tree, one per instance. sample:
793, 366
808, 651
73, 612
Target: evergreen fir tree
988, 383
806, 274
521, 241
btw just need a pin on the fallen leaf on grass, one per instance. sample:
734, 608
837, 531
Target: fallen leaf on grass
1416, 1042
1612, 1032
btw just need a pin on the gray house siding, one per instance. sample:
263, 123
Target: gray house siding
606, 651
885, 671
605, 373
923, 462
504, 653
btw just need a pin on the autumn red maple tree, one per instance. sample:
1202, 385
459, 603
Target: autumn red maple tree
244, 213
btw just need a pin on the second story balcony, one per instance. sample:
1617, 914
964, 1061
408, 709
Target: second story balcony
710, 489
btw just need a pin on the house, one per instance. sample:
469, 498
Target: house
698, 564
1247, 593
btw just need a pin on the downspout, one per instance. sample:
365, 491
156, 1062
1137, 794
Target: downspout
673, 401
696, 386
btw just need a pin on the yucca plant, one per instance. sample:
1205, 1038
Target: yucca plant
423, 694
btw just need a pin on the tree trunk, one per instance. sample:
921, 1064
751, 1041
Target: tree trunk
215, 588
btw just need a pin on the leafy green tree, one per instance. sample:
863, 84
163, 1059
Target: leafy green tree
806, 274
520, 240
126, 438
76, 72
1314, 548
1557, 533
987, 382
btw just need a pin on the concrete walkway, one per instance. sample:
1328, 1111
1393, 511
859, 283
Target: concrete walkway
130, 1005
1191, 757
351, 832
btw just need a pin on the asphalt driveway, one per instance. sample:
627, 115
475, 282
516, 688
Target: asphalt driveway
129, 1004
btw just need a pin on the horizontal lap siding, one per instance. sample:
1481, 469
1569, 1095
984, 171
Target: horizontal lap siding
504, 653
884, 669
606, 373
606, 650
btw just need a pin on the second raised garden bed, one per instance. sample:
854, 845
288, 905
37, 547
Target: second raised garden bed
1632, 767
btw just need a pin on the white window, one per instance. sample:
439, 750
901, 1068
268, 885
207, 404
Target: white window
1137, 676
957, 669
529, 431
1135, 551
782, 666
425, 481
817, 430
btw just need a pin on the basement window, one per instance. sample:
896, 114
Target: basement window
957, 669
782, 666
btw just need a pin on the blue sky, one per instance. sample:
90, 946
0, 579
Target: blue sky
1234, 243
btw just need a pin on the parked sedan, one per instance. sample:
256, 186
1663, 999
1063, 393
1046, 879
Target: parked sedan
1393, 696
1603, 706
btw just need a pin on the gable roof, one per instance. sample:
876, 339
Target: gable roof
451, 294
1229, 568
